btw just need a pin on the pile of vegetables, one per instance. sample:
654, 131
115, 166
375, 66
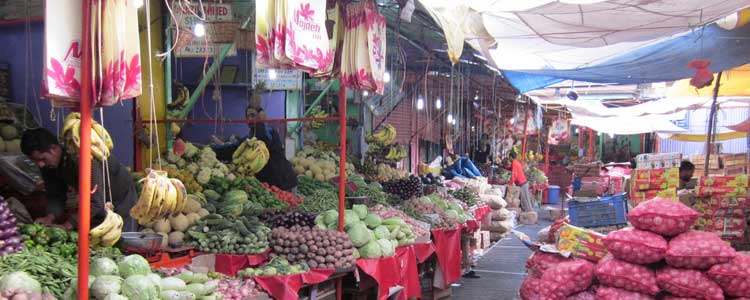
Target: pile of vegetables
10, 140
241, 196
53, 240
276, 266
372, 236
406, 188
466, 195
55, 271
452, 208
201, 163
307, 185
10, 241
316, 247
234, 289
20, 285
424, 208
387, 212
320, 201
231, 235
318, 164
287, 197
535, 175
372, 190
191, 185
288, 219
173, 229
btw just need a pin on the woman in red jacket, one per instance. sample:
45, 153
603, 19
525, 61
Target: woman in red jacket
518, 178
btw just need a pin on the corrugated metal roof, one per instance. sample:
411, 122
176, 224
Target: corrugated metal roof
696, 122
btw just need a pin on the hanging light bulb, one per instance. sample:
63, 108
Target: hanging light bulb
611, 135
420, 103
438, 103
272, 74
450, 118
387, 77
365, 93
138, 3
476, 97
199, 30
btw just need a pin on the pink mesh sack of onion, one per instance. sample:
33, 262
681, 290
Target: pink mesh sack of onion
611, 293
541, 261
679, 298
663, 216
585, 295
613, 272
734, 276
636, 246
688, 283
566, 278
698, 250
530, 288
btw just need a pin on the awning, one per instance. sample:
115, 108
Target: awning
702, 137
628, 125
540, 42
742, 127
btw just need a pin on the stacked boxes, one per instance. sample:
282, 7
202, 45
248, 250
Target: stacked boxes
724, 203
651, 183
658, 160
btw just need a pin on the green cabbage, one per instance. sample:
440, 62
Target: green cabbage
172, 284
382, 232
331, 216
20, 280
176, 295
373, 221
360, 235
386, 247
371, 250
115, 297
361, 210
140, 287
104, 266
350, 218
105, 285
133, 265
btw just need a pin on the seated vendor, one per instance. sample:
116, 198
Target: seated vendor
686, 175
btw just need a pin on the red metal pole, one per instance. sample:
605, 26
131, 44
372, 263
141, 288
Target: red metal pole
342, 169
591, 145
656, 144
525, 126
84, 162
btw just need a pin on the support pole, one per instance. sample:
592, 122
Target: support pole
84, 160
342, 169
168, 75
711, 128
591, 145
523, 144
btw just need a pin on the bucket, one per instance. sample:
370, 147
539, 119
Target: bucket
553, 194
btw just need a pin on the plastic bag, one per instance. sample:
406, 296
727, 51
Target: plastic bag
559, 131
698, 250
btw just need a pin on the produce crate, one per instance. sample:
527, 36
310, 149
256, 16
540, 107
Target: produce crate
606, 211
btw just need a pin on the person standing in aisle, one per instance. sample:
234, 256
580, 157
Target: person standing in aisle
518, 178
60, 174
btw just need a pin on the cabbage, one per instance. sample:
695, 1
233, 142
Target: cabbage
104, 266
72, 292
330, 216
172, 284
386, 247
133, 265
371, 250
373, 220
115, 297
105, 285
355, 253
361, 210
350, 218
176, 295
20, 281
186, 276
196, 288
360, 235
382, 232
139, 287
156, 280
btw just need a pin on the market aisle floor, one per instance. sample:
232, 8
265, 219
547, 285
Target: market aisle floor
502, 269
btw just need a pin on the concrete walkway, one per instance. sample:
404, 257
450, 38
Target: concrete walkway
502, 269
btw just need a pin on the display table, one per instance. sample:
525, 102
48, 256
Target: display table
286, 287
480, 212
408, 257
385, 271
448, 250
230, 264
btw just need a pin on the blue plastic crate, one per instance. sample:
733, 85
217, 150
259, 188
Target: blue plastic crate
607, 211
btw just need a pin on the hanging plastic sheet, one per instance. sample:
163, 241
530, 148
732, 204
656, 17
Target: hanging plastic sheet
559, 131
364, 49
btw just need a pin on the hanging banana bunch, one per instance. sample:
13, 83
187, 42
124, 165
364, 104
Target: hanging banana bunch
316, 112
101, 142
396, 153
109, 231
160, 197
384, 137
250, 157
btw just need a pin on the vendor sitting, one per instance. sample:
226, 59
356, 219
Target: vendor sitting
686, 175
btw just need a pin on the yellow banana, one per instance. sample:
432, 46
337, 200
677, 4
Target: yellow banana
170, 200
106, 224
103, 134
160, 197
111, 237
182, 196
68, 125
148, 193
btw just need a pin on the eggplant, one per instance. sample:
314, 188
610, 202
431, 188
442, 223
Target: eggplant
9, 232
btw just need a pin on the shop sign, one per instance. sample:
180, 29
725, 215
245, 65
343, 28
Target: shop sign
285, 79
217, 18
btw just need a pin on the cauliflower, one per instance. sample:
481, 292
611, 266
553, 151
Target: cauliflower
181, 163
231, 177
222, 168
173, 166
193, 168
190, 150
203, 176
171, 157
217, 173
208, 158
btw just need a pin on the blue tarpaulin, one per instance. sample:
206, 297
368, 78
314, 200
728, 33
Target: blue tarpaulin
662, 61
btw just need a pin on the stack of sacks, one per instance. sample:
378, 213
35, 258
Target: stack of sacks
501, 220
653, 183
723, 201
661, 257
513, 197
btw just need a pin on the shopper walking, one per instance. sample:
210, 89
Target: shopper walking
518, 178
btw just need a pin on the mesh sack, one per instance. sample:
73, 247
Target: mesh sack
611, 293
541, 261
698, 250
585, 295
636, 246
688, 283
663, 216
530, 288
613, 272
566, 278
734, 276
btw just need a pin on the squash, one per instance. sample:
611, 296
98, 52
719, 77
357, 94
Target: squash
162, 226
179, 222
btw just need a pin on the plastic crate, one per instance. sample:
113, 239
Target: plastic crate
607, 211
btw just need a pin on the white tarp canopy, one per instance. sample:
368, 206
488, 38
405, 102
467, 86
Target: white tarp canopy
567, 34
628, 125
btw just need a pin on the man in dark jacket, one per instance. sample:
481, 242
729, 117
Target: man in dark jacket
60, 174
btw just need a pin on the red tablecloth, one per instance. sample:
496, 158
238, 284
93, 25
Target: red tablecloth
385, 271
230, 264
407, 260
479, 214
448, 250
423, 251
286, 287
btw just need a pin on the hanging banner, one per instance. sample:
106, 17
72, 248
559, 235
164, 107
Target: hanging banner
284, 80
558, 131
217, 19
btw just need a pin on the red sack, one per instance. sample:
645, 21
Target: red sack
698, 250
610, 293
663, 216
620, 274
541, 261
734, 276
585, 295
566, 278
688, 283
530, 288
636, 246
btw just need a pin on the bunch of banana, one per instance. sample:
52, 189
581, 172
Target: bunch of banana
250, 157
109, 231
181, 96
396, 153
386, 136
101, 142
160, 197
316, 112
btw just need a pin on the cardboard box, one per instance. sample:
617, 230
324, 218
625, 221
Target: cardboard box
485, 239
709, 191
641, 196
723, 181
582, 243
